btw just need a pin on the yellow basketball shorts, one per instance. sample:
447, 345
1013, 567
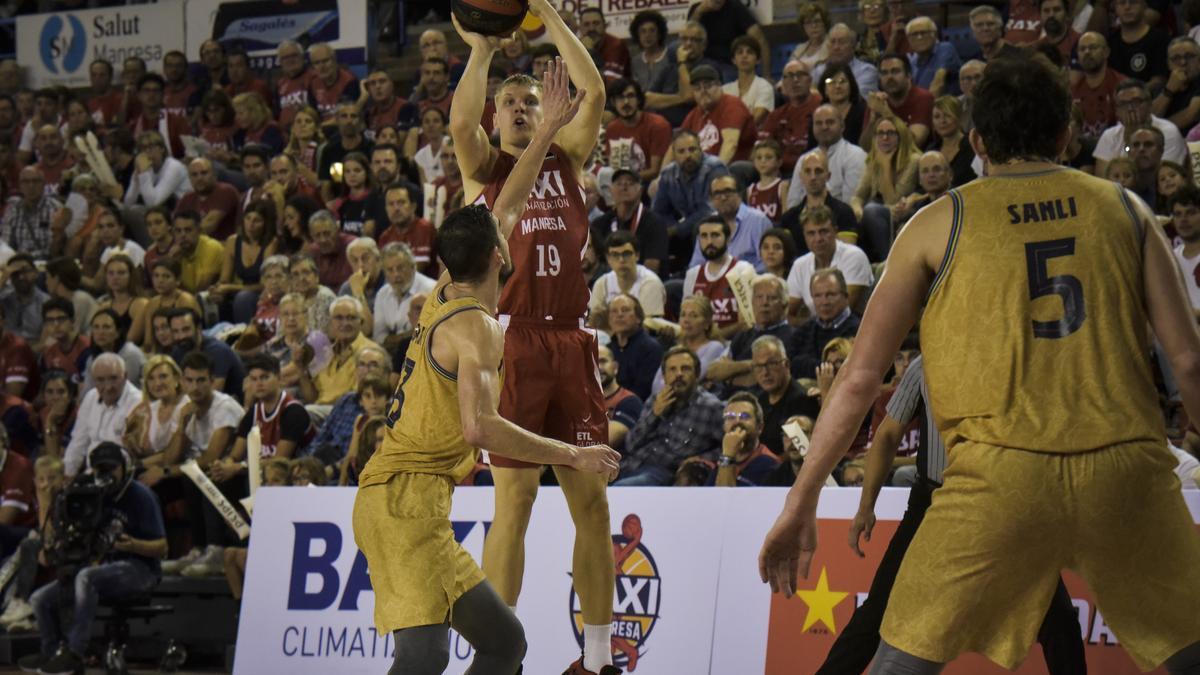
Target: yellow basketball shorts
983, 566
417, 569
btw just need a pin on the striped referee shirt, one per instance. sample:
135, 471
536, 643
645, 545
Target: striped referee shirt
910, 400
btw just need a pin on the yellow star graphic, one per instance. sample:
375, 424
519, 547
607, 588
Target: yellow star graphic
821, 601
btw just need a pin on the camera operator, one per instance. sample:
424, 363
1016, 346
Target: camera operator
114, 555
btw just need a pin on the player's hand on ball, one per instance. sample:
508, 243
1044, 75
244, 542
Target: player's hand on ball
558, 108
599, 459
788, 550
485, 43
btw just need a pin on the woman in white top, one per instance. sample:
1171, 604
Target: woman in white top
696, 332
433, 132
815, 20
756, 92
154, 422
157, 176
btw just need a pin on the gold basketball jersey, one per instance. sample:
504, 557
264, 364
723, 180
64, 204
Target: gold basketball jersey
424, 433
1035, 327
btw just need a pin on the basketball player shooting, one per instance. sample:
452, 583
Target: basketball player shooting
443, 410
553, 384
1043, 393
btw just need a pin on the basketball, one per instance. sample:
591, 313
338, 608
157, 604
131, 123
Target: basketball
490, 17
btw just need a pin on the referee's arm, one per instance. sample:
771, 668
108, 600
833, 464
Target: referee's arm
880, 456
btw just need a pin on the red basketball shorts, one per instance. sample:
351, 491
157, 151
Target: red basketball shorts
551, 384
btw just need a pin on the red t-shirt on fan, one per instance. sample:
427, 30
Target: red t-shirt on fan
292, 93
766, 199
329, 95
547, 245
728, 113
632, 147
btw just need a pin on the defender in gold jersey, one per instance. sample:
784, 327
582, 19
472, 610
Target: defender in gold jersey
1038, 283
442, 411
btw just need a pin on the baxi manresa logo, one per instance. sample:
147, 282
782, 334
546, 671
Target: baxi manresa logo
62, 49
636, 602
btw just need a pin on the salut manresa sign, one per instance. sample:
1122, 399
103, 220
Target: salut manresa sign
56, 49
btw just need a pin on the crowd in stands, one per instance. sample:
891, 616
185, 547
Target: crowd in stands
243, 248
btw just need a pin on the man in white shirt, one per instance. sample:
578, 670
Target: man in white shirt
1133, 111
104, 410
157, 176
626, 277
392, 301
846, 160
825, 251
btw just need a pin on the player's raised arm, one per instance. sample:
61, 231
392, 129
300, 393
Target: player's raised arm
479, 343
893, 309
579, 137
471, 145
558, 109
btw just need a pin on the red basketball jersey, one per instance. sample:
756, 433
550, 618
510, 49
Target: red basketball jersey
327, 96
766, 199
292, 94
271, 427
548, 244
716, 289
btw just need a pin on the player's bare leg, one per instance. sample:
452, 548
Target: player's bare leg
592, 566
504, 547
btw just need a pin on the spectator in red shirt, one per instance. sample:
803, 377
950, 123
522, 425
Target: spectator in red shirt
1056, 28
331, 84
721, 121
216, 202
18, 365
383, 107
104, 102
789, 123
180, 95
291, 89
53, 158
1096, 91
284, 173
404, 226
132, 70
254, 123
328, 249
154, 116
637, 139
241, 78
433, 45
1024, 22
216, 122
900, 97
433, 90
17, 511
62, 345
609, 51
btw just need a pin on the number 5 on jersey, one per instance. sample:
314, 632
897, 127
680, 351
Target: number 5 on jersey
1037, 259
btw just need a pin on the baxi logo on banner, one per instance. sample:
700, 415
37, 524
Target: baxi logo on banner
58, 48
638, 596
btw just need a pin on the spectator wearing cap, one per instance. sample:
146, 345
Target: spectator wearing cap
103, 411
626, 277
842, 40
630, 214
722, 122
934, 63
1133, 111
725, 21
637, 140
790, 123
609, 51
746, 224
902, 98
682, 194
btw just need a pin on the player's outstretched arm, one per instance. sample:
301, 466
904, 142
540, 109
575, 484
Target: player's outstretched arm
558, 109
479, 343
471, 145
580, 136
789, 546
1169, 310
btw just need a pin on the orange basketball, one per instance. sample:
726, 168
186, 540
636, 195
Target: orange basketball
490, 17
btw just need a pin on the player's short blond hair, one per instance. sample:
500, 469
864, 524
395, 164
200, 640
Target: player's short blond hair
519, 80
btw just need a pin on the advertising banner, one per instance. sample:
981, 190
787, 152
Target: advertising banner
260, 25
619, 13
56, 49
687, 596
